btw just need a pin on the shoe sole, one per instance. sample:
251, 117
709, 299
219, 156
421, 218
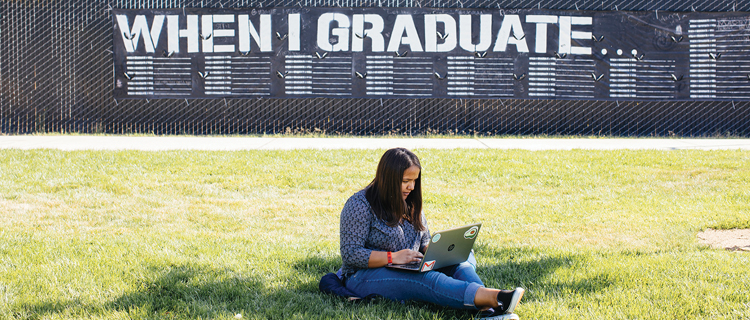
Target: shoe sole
507, 316
515, 300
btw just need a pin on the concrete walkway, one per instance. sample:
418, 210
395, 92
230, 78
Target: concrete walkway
82, 142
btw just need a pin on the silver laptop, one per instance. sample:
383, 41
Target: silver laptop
447, 247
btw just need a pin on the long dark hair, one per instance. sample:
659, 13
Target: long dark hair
384, 192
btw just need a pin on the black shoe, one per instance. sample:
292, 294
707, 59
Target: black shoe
508, 300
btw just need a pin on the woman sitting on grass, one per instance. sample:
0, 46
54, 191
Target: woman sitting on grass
383, 223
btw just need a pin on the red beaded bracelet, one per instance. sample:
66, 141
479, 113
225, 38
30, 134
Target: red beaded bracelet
390, 259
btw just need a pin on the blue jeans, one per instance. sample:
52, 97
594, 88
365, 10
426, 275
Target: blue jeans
454, 286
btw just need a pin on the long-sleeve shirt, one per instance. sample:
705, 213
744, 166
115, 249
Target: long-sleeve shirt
361, 232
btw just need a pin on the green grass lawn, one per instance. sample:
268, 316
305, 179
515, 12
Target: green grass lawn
207, 235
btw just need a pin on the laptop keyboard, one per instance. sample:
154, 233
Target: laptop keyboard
412, 265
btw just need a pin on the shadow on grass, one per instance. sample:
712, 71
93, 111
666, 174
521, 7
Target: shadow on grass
532, 269
189, 291
169, 292
192, 291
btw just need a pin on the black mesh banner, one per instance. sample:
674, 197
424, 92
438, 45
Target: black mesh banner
307, 52
59, 71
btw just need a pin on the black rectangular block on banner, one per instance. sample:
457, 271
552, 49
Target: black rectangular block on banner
431, 53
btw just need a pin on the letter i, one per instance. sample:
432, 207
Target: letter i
293, 23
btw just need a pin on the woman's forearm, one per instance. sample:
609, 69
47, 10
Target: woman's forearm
380, 258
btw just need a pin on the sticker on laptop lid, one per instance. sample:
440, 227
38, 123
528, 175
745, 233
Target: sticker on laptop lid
436, 238
428, 265
471, 233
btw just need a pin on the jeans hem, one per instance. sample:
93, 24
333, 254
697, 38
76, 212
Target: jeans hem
470, 294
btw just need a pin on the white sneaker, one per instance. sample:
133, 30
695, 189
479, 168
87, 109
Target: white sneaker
507, 316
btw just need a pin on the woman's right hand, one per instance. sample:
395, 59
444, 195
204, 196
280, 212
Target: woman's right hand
406, 256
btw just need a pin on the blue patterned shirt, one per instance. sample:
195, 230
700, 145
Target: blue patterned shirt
361, 232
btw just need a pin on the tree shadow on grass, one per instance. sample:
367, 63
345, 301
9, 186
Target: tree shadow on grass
193, 291
189, 291
533, 270
198, 291
186, 291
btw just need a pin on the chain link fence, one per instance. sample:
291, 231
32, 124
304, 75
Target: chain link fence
56, 72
